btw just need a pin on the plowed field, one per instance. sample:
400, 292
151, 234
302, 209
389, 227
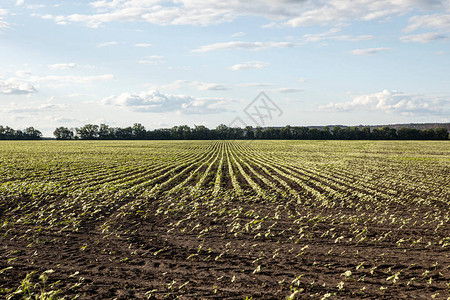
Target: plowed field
225, 219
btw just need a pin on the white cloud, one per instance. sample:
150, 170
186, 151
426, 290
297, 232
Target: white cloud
393, 102
71, 79
202, 13
23, 73
148, 101
19, 2
106, 44
435, 21
199, 85
35, 6
33, 108
438, 22
206, 105
14, 86
143, 45
287, 90
332, 35
256, 84
63, 66
369, 51
238, 34
59, 119
423, 37
3, 24
152, 60
26, 83
154, 101
242, 46
205, 86
249, 65
60, 20
77, 95
338, 11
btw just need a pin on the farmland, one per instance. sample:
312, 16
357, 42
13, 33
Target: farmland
225, 219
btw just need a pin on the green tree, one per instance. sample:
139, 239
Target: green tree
63, 133
105, 132
258, 133
88, 132
441, 133
286, 133
31, 134
200, 132
249, 133
428, 134
384, 133
139, 131
222, 131
10, 134
300, 133
405, 133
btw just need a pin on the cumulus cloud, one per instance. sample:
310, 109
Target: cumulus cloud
63, 66
202, 13
14, 86
434, 21
249, 65
242, 46
439, 22
155, 101
338, 11
369, 51
423, 37
148, 101
393, 102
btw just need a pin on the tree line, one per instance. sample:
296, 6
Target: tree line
223, 132
29, 133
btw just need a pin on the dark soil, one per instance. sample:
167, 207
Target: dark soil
144, 255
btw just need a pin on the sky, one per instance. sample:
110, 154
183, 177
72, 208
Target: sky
205, 62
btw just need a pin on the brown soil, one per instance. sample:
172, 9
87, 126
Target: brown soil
149, 257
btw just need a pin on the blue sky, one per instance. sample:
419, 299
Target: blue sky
166, 63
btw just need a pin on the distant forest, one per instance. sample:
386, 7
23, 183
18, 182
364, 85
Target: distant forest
223, 132
7, 133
